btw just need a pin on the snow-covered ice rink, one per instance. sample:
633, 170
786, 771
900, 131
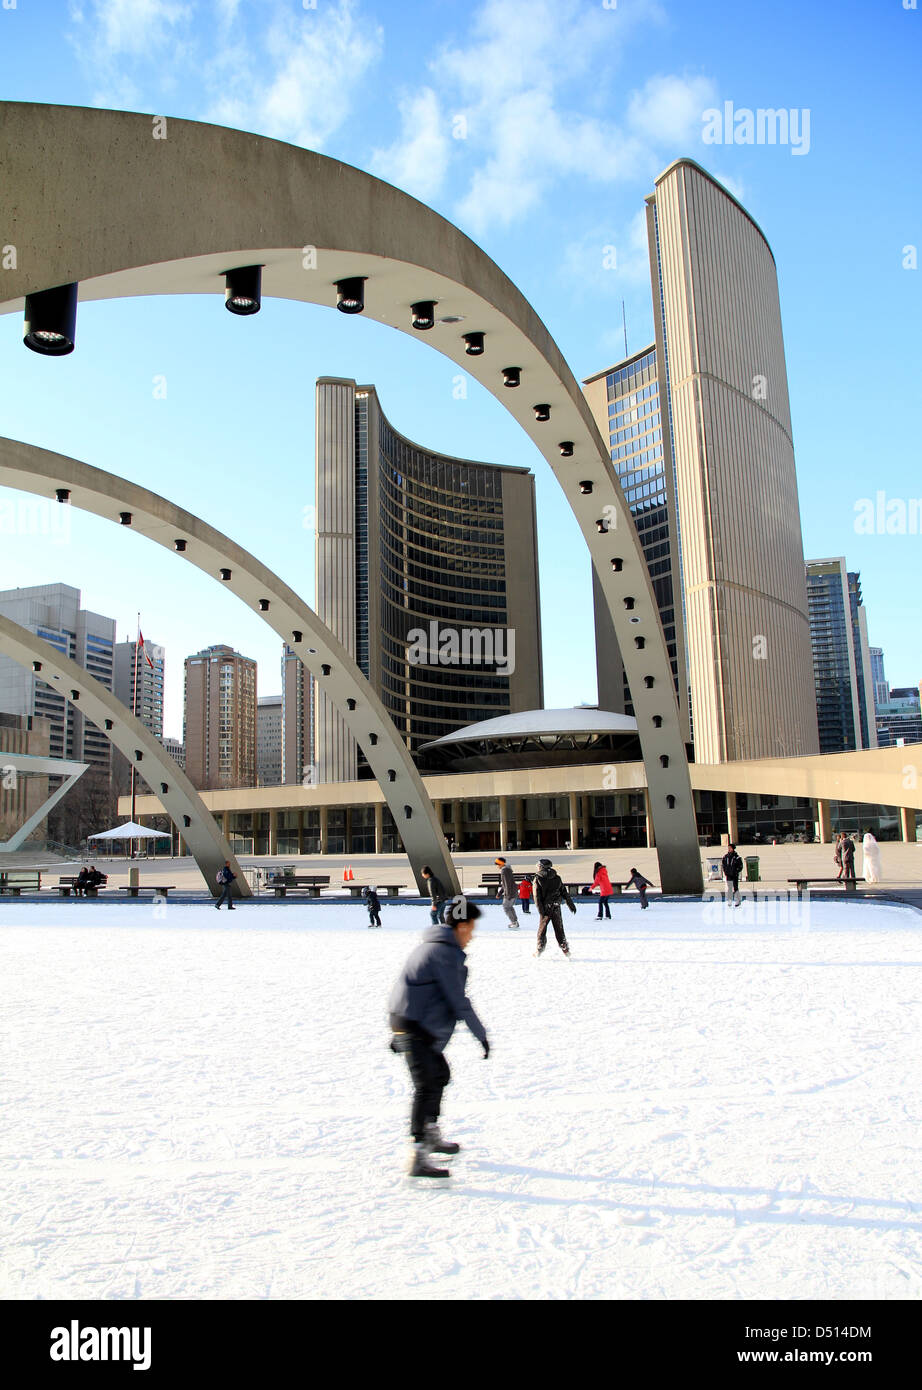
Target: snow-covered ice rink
200, 1106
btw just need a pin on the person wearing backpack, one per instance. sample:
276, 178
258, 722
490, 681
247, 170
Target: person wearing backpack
732, 866
226, 877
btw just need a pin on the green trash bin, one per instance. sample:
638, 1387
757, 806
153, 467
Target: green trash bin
752, 868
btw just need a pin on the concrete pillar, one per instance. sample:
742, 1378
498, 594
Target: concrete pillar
503, 825
584, 821
648, 812
520, 822
824, 821
323, 830
273, 832
733, 828
457, 818
908, 824
379, 827
301, 831
574, 821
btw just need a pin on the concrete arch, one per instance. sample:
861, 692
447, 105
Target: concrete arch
171, 215
180, 799
31, 469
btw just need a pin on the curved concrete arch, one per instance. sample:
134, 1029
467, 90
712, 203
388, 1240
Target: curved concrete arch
180, 799
31, 469
157, 217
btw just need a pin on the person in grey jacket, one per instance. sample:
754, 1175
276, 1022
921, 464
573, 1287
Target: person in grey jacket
507, 891
426, 1003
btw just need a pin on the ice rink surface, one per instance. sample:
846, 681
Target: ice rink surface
699, 1105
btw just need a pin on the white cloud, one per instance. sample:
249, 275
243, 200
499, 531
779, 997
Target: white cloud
132, 27
418, 159
605, 262
667, 110
732, 185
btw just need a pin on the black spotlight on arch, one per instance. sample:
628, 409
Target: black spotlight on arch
542, 412
351, 294
512, 376
423, 314
51, 321
473, 344
243, 289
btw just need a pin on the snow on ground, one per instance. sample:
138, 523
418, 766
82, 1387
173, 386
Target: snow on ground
695, 1106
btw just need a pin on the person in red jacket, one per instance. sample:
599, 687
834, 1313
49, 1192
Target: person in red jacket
525, 894
602, 882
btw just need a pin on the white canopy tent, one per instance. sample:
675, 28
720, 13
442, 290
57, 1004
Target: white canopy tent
131, 831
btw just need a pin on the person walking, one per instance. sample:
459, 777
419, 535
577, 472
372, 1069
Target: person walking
226, 877
373, 903
428, 999
871, 858
525, 894
837, 856
601, 881
550, 893
638, 881
732, 867
506, 891
848, 858
437, 895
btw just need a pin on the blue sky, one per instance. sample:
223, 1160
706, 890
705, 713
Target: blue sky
570, 110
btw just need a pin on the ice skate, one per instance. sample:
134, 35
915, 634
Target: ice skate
437, 1144
419, 1165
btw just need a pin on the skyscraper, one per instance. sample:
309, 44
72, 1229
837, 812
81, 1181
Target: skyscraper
139, 682
269, 741
53, 612
410, 541
841, 660
219, 724
732, 538
297, 719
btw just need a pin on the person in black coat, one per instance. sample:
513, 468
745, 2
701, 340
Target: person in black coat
550, 893
82, 882
848, 857
373, 903
732, 866
227, 878
638, 881
437, 895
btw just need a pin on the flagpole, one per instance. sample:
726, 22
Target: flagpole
134, 710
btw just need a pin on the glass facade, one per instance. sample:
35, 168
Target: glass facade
831, 634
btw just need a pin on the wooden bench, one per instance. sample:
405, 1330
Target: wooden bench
850, 884
303, 883
133, 889
13, 881
66, 885
391, 890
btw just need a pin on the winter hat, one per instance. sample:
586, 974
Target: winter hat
500, 860
545, 864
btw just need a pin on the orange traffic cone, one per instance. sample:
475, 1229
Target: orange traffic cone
348, 875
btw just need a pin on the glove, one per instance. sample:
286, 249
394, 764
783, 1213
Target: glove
486, 1049
571, 907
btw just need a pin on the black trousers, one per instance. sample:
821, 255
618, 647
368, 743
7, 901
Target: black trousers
428, 1070
226, 895
603, 902
374, 917
555, 918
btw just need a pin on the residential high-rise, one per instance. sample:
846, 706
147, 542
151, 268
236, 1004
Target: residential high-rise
731, 540
269, 741
176, 749
878, 677
219, 723
53, 612
841, 660
139, 682
410, 541
297, 719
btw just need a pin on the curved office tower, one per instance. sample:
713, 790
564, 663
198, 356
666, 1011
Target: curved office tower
412, 542
718, 337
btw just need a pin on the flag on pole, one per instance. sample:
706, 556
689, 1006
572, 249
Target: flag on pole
142, 648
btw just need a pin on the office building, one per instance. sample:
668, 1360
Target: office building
219, 726
878, 677
176, 749
899, 718
711, 480
139, 682
53, 612
269, 741
22, 795
841, 658
412, 542
297, 719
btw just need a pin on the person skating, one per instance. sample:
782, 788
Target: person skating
427, 1001
227, 878
601, 881
525, 894
373, 903
437, 895
507, 892
848, 858
638, 881
732, 867
550, 893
